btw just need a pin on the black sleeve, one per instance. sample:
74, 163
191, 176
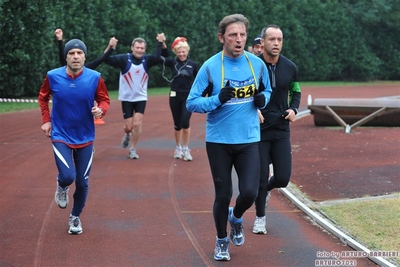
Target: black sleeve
119, 61
164, 52
95, 63
61, 56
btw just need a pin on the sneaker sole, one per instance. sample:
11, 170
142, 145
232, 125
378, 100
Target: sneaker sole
223, 258
74, 233
260, 232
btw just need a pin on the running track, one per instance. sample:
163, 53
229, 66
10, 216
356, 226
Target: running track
156, 211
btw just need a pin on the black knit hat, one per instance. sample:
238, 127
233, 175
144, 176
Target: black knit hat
256, 40
74, 44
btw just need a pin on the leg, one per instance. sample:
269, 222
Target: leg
281, 157
185, 118
65, 165
178, 137
137, 128
66, 173
264, 150
220, 160
127, 111
174, 106
247, 163
83, 161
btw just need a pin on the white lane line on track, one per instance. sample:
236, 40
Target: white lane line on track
42, 235
182, 220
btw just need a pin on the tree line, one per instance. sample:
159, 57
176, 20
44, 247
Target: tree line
329, 40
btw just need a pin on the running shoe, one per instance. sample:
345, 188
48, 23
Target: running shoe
133, 154
237, 234
61, 197
125, 140
221, 251
259, 226
75, 225
178, 153
186, 155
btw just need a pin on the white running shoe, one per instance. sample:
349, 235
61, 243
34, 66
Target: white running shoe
61, 197
133, 154
75, 225
186, 155
259, 226
178, 153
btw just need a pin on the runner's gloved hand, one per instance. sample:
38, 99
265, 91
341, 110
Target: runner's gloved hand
226, 93
259, 99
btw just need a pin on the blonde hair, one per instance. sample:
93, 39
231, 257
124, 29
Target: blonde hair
178, 43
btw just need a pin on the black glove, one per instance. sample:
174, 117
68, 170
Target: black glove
259, 99
226, 93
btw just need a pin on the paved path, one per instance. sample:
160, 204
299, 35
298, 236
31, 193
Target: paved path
156, 211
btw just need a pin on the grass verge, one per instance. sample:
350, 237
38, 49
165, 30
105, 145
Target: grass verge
374, 223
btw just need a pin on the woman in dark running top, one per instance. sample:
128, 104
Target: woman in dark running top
184, 70
281, 110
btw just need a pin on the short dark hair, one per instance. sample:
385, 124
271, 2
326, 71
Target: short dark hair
267, 27
232, 19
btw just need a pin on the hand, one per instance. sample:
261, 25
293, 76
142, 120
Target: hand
290, 115
260, 116
46, 128
161, 37
97, 112
259, 99
113, 43
59, 34
226, 93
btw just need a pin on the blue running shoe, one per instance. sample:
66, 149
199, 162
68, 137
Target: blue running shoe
221, 251
237, 233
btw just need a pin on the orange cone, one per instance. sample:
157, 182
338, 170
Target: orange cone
99, 121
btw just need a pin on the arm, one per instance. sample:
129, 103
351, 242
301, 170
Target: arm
44, 99
294, 96
265, 83
164, 49
59, 35
197, 101
111, 47
102, 98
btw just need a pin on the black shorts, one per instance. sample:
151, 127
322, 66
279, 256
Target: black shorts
130, 108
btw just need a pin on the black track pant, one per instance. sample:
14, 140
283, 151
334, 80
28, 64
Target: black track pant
279, 153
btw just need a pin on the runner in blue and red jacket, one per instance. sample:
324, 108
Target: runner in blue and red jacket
70, 125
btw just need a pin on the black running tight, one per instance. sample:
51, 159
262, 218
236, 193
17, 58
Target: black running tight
245, 159
279, 153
